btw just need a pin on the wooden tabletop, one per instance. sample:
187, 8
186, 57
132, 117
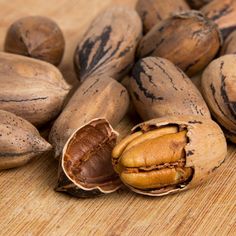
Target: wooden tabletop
30, 206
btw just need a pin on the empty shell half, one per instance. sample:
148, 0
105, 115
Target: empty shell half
86, 167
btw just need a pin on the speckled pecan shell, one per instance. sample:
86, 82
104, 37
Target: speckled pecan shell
109, 45
223, 13
205, 150
197, 4
189, 40
32, 89
159, 88
20, 141
86, 169
154, 11
229, 46
219, 90
96, 97
36, 36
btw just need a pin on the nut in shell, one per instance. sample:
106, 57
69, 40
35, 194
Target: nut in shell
169, 154
153, 12
158, 88
229, 46
219, 90
86, 167
38, 37
188, 39
108, 48
32, 89
20, 141
223, 13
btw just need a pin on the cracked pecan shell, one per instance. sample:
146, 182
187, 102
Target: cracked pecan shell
86, 168
159, 88
108, 47
189, 40
219, 90
32, 89
169, 154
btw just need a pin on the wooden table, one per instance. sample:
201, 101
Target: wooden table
29, 206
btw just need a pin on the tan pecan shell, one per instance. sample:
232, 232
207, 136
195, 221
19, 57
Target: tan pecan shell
159, 88
108, 47
20, 141
32, 89
189, 40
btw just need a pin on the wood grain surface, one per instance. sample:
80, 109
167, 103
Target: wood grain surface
29, 205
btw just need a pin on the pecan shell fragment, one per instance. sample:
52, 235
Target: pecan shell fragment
86, 167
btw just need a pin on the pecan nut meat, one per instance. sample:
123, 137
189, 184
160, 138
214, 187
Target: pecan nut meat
169, 154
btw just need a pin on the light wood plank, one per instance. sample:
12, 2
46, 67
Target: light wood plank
29, 206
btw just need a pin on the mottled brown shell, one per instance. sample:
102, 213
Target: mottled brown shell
36, 36
223, 13
20, 141
219, 91
197, 4
159, 88
205, 151
96, 97
229, 46
86, 169
188, 39
154, 11
109, 45
32, 89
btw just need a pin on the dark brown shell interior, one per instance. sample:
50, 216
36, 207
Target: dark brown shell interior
87, 158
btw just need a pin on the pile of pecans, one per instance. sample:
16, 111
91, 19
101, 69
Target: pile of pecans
178, 145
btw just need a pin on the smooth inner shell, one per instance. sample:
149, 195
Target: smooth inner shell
87, 158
